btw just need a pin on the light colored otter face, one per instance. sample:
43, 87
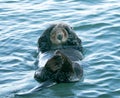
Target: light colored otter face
58, 35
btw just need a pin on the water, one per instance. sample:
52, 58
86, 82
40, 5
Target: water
96, 22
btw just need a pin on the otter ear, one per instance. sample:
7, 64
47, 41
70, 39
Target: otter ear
68, 28
44, 40
48, 30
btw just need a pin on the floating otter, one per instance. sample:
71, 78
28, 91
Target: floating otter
60, 51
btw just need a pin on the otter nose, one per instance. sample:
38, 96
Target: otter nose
59, 37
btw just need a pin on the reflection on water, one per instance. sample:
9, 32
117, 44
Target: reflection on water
97, 23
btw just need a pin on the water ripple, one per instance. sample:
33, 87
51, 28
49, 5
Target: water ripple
96, 22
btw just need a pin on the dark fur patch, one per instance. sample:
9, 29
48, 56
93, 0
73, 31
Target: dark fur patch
63, 72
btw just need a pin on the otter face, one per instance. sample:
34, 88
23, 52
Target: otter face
55, 63
58, 35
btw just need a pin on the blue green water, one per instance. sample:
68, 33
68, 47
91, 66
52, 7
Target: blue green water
96, 22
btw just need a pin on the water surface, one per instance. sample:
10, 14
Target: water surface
96, 22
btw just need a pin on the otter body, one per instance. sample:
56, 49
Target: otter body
62, 67
60, 54
73, 54
59, 37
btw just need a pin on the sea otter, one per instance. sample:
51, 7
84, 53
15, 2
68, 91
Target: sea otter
60, 54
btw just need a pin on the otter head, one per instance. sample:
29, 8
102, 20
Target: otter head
59, 34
